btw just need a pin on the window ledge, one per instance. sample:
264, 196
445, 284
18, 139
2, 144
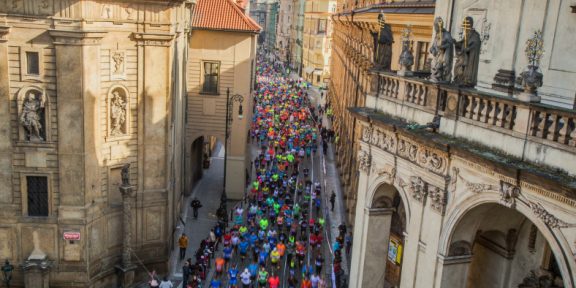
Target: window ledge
210, 93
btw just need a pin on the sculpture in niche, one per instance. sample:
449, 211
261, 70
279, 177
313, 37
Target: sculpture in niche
383, 41
125, 175
406, 58
33, 115
467, 55
118, 125
442, 51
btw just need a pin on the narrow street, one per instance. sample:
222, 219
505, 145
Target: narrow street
283, 187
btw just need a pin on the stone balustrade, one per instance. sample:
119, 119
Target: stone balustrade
497, 121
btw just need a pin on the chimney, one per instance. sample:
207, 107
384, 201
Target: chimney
241, 4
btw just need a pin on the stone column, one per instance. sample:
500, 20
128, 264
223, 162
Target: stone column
377, 233
5, 139
454, 270
126, 268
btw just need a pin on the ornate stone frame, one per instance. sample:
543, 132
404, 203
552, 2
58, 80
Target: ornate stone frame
126, 93
24, 76
20, 100
24, 192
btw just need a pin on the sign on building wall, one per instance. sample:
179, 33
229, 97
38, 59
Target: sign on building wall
395, 251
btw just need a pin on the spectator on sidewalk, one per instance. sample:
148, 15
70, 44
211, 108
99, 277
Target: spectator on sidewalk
332, 201
166, 283
183, 244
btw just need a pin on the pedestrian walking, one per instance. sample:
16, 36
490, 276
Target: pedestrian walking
183, 244
195, 206
332, 201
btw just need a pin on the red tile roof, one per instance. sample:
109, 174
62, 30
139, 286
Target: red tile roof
222, 15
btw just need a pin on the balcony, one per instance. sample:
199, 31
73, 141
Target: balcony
536, 133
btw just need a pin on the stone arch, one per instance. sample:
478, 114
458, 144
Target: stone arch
117, 112
558, 245
43, 110
377, 183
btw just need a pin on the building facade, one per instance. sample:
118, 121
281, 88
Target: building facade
222, 51
469, 186
297, 36
352, 59
283, 40
317, 41
88, 87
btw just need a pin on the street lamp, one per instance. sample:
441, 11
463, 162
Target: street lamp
229, 105
7, 269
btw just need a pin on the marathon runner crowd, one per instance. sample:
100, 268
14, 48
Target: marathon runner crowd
276, 237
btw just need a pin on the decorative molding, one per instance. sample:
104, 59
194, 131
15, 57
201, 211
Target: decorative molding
62, 37
387, 171
364, 161
546, 217
508, 194
153, 39
118, 65
478, 187
379, 138
454, 178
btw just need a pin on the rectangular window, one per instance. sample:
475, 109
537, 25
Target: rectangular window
211, 77
32, 63
37, 187
422, 63
321, 26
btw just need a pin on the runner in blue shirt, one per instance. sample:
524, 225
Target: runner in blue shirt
243, 249
233, 276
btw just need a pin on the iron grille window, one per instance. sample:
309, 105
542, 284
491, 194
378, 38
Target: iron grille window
211, 77
37, 195
322, 26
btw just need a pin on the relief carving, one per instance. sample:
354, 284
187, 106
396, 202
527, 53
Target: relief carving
388, 172
422, 156
379, 138
365, 161
454, 178
508, 194
118, 65
478, 187
367, 133
549, 219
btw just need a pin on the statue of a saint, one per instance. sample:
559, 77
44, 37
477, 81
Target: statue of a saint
125, 173
117, 114
32, 115
467, 55
443, 52
383, 45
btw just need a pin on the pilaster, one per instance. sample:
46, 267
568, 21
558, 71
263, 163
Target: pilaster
5, 139
78, 78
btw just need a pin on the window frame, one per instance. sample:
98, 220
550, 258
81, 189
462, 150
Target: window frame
322, 31
24, 191
24, 75
203, 82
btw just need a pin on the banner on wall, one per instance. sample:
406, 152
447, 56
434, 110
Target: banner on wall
395, 251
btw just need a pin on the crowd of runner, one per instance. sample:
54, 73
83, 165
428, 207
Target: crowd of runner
275, 237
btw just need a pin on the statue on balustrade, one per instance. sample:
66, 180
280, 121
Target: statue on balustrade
443, 52
467, 55
383, 45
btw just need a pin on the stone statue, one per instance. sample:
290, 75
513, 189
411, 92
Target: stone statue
406, 59
383, 45
532, 77
117, 114
125, 173
33, 114
443, 52
467, 55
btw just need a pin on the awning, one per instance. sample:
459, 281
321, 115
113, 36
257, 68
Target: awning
309, 70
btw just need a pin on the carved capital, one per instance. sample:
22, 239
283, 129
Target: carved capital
417, 187
63, 37
438, 199
153, 39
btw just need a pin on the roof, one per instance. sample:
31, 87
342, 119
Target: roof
222, 15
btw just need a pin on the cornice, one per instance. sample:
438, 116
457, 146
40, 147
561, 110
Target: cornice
66, 37
153, 39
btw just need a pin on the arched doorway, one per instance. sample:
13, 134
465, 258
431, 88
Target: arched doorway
386, 220
496, 246
196, 159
